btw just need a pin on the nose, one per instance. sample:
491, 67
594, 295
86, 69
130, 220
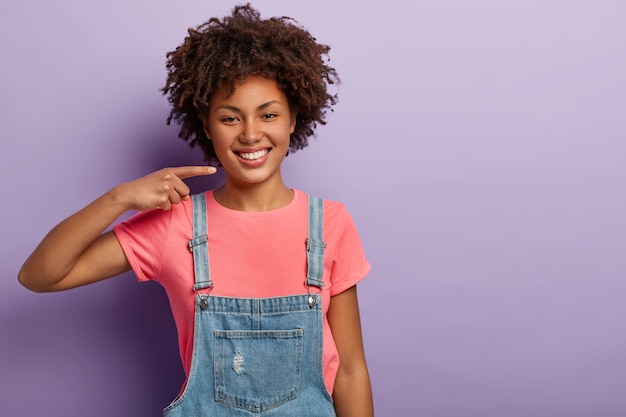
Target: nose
251, 132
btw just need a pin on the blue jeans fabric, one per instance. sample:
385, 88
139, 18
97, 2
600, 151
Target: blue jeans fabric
256, 356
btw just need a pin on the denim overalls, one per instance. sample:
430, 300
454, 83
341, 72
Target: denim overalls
256, 356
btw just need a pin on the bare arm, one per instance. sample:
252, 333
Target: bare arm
76, 252
352, 393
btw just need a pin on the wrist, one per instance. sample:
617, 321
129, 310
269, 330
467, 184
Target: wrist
119, 198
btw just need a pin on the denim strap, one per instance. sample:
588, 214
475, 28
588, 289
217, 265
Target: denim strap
315, 244
198, 245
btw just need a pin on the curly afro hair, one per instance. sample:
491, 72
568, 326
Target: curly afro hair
223, 53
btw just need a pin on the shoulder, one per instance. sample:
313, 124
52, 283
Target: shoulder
151, 221
337, 218
332, 208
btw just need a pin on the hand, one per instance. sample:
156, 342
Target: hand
160, 189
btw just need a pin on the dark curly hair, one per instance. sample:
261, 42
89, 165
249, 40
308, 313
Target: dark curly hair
223, 53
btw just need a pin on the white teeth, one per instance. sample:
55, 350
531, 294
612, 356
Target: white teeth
254, 155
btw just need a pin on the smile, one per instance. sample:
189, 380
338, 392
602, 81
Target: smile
251, 156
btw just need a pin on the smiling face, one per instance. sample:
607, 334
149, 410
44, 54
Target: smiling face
250, 131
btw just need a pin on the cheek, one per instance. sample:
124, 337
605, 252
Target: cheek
285, 132
220, 136
220, 146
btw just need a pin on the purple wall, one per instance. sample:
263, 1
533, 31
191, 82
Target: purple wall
480, 147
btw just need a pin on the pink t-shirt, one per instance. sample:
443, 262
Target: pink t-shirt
251, 255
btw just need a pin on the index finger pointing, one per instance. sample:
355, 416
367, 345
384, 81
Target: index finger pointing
193, 171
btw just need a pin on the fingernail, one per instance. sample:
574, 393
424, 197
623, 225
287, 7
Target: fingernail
212, 169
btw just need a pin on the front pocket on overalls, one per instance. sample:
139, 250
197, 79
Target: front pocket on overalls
257, 370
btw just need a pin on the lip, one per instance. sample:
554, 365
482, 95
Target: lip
254, 162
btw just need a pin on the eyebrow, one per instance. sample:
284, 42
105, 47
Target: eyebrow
238, 110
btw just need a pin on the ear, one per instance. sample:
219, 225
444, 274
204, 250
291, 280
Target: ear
205, 126
292, 126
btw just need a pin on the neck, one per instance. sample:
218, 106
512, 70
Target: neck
257, 197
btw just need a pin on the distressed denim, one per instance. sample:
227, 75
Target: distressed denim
256, 357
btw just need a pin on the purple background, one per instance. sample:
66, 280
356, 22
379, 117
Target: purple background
480, 146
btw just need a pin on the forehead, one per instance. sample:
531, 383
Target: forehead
254, 88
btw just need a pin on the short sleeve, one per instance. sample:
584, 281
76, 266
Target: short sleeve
349, 264
142, 238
